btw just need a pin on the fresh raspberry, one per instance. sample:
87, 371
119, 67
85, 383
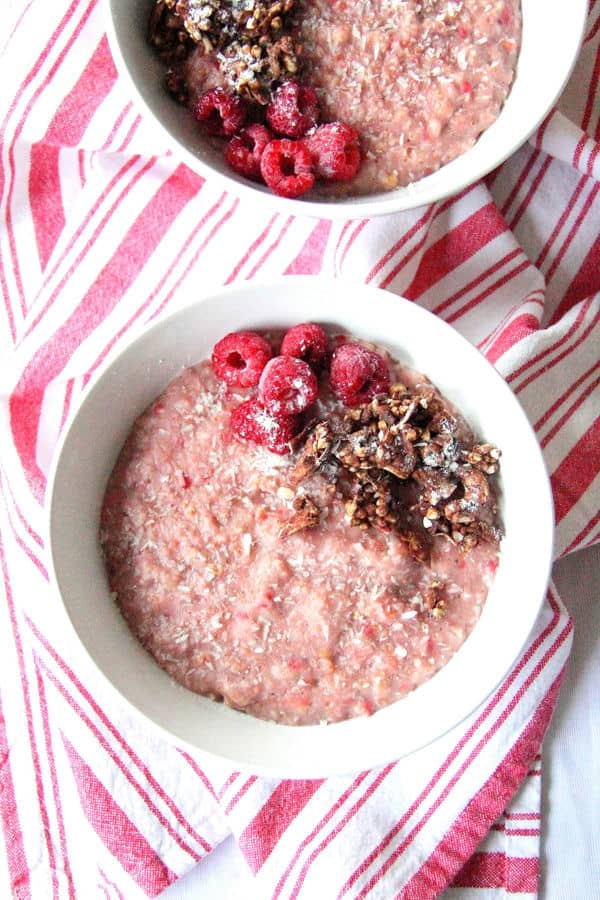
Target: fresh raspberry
335, 151
358, 374
286, 167
288, 385
240, 357
293, 109
252, 421
307, 342
220, 112
244, 150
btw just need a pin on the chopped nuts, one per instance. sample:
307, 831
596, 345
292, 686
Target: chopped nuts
249, 37
306, 515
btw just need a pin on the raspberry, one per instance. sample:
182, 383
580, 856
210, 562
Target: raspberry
244, 150
287, 385
293, 110
358, 374
220, 112
240, 357
335, 151
307, 342
286, 167
250, 420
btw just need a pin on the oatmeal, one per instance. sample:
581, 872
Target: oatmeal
416, 80
311, 586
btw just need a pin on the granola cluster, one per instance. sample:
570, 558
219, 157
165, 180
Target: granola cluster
249, 37
403, 462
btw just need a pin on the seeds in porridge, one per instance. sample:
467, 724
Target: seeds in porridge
303, 587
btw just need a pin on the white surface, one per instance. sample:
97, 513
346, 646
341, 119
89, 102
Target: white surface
571, 782
138, 374
552, 31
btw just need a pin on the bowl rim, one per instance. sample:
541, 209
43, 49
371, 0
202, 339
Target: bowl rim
296, 770
386, 203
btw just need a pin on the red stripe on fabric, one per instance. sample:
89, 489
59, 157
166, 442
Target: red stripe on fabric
338, 243
558, 257
111, 885
35, 757
490, 801
573, 476
270, 250
535, 298
120, 835
353, 237
581, 143
27, 550
11, 153
406, 237
434, 213
589, 166
496, 870
65, 130
522, 817
533, 188
238, 796
129, 136
54, 781
18, 869
198, 771
22, 15
524, 832
260, 836
483, 276
30, 531
583, 534
214, 230
90, 243
340, 827
571, 388
310, 259
117, 124
548, 350
140, 791
106, 722
66, 403
149, 300
45, 202
533, 157
521, 327
253, 246
585, 283
310, 837
116, 277
455, 248
557, 359
560, 223
483, 295
227, 784
570, 412
452, 756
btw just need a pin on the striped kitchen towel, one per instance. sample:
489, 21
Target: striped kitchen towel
104, 229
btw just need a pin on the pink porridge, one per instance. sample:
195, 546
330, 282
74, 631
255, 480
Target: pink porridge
418, 80
255, 578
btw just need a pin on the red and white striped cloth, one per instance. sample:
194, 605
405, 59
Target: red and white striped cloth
103, 229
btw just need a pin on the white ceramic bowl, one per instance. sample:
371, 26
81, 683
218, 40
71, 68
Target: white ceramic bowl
140, 372
552, 32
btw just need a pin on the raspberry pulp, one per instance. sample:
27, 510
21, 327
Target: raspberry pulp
288, 385
245, 149
308, 342
220, 112
240, 357
293, 110
358, 374
252, 421
286, 167
335, 151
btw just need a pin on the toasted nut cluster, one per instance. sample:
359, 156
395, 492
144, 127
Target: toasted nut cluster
404, 462
249, 38
306, 515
